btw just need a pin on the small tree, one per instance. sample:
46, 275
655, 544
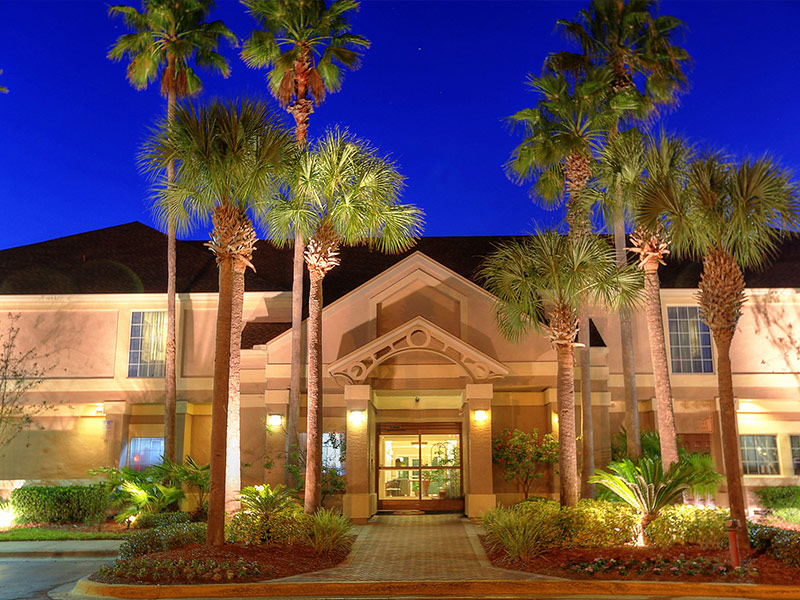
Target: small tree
19, 374
523, 456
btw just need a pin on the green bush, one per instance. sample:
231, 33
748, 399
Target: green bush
148, 520
325, 531
150, 570
525, 531
252, 528
779, 497
159, 539
782, 544
60, 504
684, 524
598, 523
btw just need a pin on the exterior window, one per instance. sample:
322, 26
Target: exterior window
146, 355
145, 452
689, 341
795, 443
759, 455
332, 450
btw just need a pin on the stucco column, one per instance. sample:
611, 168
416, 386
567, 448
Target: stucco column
479, 493
277, 403
358, 503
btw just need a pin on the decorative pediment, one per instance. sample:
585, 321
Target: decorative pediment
418, 334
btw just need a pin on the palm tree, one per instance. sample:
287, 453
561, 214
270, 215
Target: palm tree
302, 44
539, 284
639, 48
561, 134
665, 165
733, 218
229, 158
167, 36
344, 194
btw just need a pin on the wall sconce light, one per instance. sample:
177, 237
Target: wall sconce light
99, 409
481, 416
357, 417
275, 420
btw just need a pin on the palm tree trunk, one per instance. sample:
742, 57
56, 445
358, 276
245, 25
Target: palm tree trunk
293, 413
313, 489
233, 457
658, 356
587, 427
219, 413
626, 347
730, 435
170, 389
567, 448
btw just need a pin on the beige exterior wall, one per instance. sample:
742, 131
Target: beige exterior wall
97, 407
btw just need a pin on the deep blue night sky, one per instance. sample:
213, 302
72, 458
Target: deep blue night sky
432, 92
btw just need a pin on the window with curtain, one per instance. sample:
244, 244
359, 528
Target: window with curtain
147, 350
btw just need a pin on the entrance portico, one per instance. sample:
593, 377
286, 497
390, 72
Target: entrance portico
421, 448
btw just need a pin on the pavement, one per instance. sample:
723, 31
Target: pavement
66, 548
419, 556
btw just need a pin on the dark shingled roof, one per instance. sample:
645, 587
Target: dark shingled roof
256, 332
132, 258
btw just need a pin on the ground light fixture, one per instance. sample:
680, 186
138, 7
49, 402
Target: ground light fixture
357, 417
481, 416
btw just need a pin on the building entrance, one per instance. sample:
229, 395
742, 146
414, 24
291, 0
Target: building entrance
420, 467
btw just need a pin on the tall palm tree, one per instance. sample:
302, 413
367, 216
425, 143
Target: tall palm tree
562, 132
229, 157
733, 218
665, 165
167, 36
302, 44
639, 47
344, 193
540, 283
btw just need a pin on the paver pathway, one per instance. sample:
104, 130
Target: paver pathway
415, 548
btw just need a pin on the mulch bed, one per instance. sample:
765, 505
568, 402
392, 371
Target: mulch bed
275, 562
757, 568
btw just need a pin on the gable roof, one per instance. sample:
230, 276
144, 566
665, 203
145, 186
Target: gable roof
131, 258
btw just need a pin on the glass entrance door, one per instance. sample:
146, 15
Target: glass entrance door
420, 470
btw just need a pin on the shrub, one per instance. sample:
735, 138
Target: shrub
265, 501
256, 529
523, 456
147, 520
685, 524
159, 539
60, 504
779, 497
789, 515
598, 523
325, 531
162, 570
782, 544
525, 532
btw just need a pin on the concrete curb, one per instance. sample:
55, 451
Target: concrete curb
65, 554
430, 589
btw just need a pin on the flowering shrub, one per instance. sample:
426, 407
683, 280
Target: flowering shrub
523, 456
684, 524
155, 570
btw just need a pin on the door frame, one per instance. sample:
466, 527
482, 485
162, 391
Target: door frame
413, 428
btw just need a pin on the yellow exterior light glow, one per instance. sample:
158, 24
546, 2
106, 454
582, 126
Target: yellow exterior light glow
481, 416
99, 409
275, 420
357, 417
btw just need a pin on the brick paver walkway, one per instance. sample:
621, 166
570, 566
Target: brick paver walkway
415, 548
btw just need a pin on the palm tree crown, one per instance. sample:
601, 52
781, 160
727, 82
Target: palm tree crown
167, 34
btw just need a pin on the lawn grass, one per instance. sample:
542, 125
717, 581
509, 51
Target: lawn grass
45, 534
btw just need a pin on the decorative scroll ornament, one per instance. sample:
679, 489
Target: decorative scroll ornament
416, 335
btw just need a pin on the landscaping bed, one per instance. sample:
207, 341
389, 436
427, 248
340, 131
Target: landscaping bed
689, 564
199, 563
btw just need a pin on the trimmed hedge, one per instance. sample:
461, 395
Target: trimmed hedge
787, 496
684, 524
147, 520
598, 523
158, 539
782, 544
60, 504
